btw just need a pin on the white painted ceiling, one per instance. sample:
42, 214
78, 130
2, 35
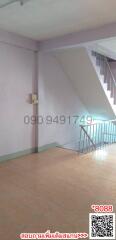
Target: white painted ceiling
43, 19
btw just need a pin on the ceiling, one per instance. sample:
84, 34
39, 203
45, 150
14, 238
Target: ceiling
44, 19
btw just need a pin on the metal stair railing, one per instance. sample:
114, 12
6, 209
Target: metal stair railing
97, 135
105, 70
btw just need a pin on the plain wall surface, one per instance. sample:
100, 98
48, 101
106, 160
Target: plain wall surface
16, 83
57, 97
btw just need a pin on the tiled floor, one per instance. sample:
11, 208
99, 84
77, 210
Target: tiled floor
54, 190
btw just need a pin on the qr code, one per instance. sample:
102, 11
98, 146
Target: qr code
102, 226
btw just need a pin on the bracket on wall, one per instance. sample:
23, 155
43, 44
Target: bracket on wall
34, 99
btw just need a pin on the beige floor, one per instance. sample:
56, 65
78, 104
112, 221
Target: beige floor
54, 190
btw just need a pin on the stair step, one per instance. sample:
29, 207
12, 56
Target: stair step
106, 76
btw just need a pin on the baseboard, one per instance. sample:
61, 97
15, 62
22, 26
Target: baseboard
47, 146
18, 154
27, 152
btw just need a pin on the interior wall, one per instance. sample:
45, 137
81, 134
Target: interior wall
57, 97
17, 70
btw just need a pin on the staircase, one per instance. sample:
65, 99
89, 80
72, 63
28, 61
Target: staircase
97, 135
108, 82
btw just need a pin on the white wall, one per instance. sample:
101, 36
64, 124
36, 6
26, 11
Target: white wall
57, 97
16, 83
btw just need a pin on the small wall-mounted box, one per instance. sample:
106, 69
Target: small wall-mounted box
34, 99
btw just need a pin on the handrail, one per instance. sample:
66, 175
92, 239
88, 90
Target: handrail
101, 121
88, 137
105, 69
110, 71
96, 135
